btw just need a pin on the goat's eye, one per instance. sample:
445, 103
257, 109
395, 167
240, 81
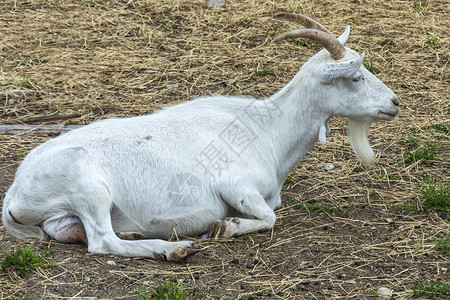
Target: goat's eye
357, 79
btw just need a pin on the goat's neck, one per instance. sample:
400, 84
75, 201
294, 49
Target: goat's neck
296, 129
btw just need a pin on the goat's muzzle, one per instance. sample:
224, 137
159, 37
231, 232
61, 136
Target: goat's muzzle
395, 101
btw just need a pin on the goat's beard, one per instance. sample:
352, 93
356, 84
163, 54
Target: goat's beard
358, 132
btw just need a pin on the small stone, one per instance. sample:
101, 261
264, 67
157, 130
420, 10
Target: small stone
148, 282
111, 262
401, 227
389, 220
384, 291
216, 4
329, 166
172, 86
87, 278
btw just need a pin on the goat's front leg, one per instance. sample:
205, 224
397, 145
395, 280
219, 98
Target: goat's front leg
249, 203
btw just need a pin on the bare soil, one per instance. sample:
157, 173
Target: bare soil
74, 62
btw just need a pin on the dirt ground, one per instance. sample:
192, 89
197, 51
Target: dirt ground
73, 62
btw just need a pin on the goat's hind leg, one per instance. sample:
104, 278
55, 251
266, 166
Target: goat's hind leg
102, 239
94, 210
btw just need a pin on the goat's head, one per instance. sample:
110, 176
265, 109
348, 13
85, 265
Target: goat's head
345, 86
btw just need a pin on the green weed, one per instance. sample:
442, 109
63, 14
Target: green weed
290, 178
273, 31
304, 43
169, 290
439, 127
422, 154
31, 61
291, 201
374, 194
433, 41
420, 6
389, 175
262, 72
421, 146
369, 65
23, 260
343, 213
433, 288
405, 206
437, 195
317, 207
444, 245
254, 288
19, 153
25, 82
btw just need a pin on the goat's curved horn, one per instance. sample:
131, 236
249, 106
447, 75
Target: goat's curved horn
304, 20
328, 41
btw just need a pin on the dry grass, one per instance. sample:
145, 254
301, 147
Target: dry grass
78, 63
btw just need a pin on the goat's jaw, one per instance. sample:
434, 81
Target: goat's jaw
388, 115
358, 132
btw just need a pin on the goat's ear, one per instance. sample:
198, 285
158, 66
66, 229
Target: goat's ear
344, 37
343, 69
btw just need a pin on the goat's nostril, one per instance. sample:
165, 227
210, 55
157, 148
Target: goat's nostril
395, 101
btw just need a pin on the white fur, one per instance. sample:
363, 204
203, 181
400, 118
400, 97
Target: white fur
187, 166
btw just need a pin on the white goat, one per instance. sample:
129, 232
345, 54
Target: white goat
215, 163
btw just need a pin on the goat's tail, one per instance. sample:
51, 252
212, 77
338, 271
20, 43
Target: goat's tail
18, 229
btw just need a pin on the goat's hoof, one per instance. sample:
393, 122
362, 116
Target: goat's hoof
180, 254
219, 230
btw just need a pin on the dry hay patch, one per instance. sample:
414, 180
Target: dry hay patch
75, 63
